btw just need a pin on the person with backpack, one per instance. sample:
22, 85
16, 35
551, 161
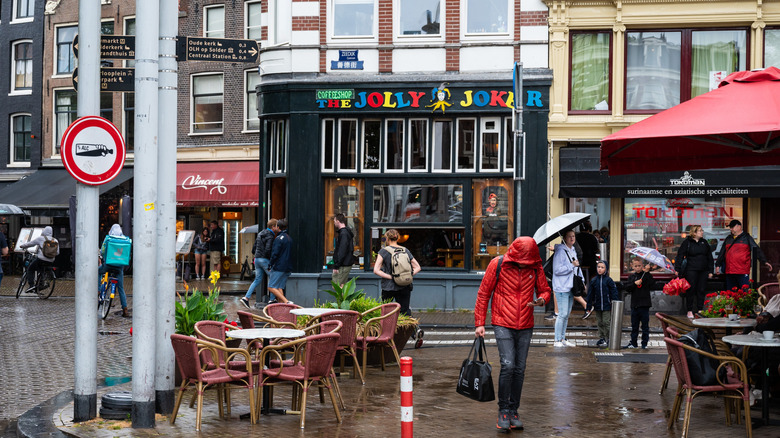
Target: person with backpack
115, 256
343, 257
396, 265
48, 250
509, 283
263, 247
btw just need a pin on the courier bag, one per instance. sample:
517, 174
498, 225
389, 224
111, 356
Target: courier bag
118, 251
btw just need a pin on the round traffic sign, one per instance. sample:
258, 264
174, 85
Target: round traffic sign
93, 150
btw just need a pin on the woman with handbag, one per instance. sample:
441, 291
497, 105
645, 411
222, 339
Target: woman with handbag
566, 282
694, 263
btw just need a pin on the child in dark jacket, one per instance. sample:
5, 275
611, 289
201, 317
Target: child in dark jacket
639, 285
601, 292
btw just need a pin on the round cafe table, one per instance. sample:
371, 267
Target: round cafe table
724, 323
756, 340
312, 311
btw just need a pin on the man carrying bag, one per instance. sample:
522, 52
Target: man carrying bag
511, 290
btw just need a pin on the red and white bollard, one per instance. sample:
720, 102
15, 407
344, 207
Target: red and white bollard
407, 411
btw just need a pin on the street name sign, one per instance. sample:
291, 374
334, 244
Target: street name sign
112, 46
111, 79
217, 49
93, 150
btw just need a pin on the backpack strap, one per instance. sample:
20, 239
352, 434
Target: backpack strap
498, 273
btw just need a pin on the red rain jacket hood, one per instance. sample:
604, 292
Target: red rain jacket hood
521, 275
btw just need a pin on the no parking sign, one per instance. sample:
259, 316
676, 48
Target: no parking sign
93, 150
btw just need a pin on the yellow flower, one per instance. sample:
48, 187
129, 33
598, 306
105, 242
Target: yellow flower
214, 277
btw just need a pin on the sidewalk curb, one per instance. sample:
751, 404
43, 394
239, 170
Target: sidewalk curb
38, 421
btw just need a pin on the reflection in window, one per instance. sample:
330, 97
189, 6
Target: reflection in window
278, 162
347, 145
487, 16
662, 224
353, 18
509, 145
394, 146
207, 96
492, 219
401, 203
372, 137
772, 48
345, 197
466, 143
418, 144
24, 8
431, 247
252, 119
490, 129
420, 17
590, 71
66, 61
715, 55
129, 30
653, 71
253, 23
214, 26
442, 145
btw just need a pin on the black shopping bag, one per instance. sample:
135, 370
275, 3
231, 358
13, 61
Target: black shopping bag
475, 380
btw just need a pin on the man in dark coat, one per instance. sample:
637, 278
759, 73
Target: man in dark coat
343, 257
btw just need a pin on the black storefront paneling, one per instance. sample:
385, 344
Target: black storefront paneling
580, 177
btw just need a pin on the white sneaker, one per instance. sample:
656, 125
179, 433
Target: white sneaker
558, 344
569, 343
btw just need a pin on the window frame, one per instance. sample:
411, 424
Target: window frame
247, 26
337, 149
279, 22
331, 16
362, 151
277, 164
609, 68
30, 62
422, 38
206, 32
128, 63
508, 145
404, 145
474, 144
58, 45
334, 145
247, 94
128, 123
192, 103
58, 135
453, 134
493, 36
425, 146
15, 18
12, 144
499, 146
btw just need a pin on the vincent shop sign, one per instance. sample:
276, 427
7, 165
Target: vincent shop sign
436, 100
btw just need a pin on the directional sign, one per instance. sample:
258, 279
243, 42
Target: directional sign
93, 150
112, 46
111, 79
217, 49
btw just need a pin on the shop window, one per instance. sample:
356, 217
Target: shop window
509, 145
492, 219
347, 144
344, 196
128, 124
418, 145
354, 18
65, 108
590, 78
66, 60
24, 10
394, 145
442, 145
207, 101
653, 69
253, 14
372, 139
279, 143
129, 30
599, 210
465, 147
772, 48
21, 143
214, 21
663, 224
487, 16
23, 67
231, 227
429, 218
328, 145
419, 17
251, 117
490, 128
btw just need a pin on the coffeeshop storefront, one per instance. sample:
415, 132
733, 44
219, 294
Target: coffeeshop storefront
435, 159
657, 210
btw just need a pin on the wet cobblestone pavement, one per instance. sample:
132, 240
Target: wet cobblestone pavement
567, 392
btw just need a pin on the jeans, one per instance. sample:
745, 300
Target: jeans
119, 274
261, 267
565, 301
512, 351
736, 280
640, 314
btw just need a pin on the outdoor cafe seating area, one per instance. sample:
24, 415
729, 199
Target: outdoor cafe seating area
284, 347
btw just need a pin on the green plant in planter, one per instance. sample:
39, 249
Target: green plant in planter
344, 295
195, 307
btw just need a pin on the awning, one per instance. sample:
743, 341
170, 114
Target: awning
51, 188
224, 184
580, 177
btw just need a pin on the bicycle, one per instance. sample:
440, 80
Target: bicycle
247, 269
106, 294
43, 282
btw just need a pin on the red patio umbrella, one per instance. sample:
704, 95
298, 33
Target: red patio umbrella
735, 125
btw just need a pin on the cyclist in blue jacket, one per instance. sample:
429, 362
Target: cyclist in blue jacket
114, 271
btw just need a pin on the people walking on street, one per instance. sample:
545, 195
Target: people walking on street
511, 293
694, 263
343, 250
48, 250
216, 245
280, 262
639, 285
734, 258
565, 267
115, 234
263, 248
601, 293
201, 247
391, 260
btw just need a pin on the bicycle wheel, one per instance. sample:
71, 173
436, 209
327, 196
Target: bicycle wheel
106, 305
45, 284
22, 284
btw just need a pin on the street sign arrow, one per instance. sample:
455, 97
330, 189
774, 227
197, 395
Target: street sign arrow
112, 46
217, 50
111, 79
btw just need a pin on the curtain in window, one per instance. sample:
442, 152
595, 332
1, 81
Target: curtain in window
712, 52
590, 71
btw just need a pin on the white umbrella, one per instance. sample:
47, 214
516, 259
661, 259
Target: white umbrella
10, 209
553, 228
249, 229
654, 257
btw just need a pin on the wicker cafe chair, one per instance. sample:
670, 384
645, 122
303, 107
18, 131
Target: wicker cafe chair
734, 388
188, 351
766, 292
313, 363
379, 332
281, 312
347, 344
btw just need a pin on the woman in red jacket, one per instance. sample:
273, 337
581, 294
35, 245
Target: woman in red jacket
512, 318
